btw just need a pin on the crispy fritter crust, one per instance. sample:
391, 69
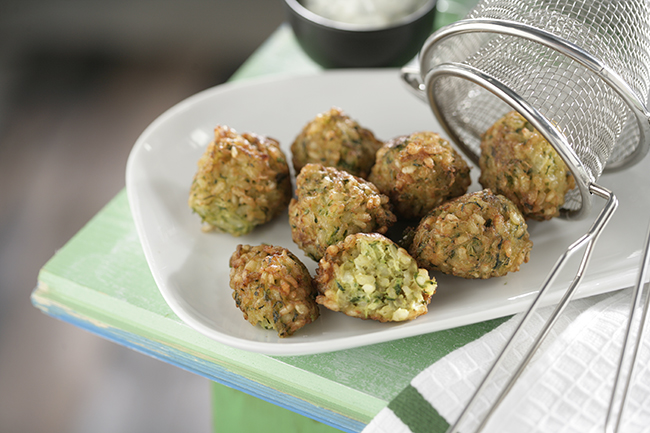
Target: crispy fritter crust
272, 288
331, 204
477, 235
518, 162
368, 276
418, 172
333, 139
242, 181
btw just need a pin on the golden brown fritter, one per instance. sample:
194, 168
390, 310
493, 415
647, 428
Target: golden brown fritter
242, 181
477, 235
518, 162
331, 204
333, 139
368, 276
418, 172
272, 288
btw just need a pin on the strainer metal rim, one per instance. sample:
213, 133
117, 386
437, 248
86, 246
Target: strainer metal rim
538, 120
569, 49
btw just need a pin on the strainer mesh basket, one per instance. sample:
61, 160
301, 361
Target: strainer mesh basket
585, 95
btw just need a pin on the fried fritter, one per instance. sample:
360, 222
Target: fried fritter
477, 235
333, 139
273, 288
418, 172
242, 181
368, 276
518, 162
331, 204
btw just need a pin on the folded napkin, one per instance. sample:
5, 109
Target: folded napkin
566, 387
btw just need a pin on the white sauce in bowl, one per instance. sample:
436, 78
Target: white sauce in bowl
364, 12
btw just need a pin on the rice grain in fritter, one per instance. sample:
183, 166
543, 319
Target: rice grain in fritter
368, 276
272, 288
242, 181
477, 235
418, 172
334, 139
331, 204
518, 162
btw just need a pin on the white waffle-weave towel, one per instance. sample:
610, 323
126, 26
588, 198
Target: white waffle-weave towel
566, 388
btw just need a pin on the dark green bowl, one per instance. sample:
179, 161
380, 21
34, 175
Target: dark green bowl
333, 44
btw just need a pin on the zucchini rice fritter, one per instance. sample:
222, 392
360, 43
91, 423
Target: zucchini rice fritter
418, 172
477, 235
333, 139
368, 276
331, 204
518, 162
272, 288
242, 181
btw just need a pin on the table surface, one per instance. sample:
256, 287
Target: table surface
100, 281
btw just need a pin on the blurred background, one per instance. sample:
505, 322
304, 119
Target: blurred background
79, 81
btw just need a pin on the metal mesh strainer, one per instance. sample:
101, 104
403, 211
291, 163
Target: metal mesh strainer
579, 71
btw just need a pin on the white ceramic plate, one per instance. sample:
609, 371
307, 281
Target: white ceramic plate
191, 267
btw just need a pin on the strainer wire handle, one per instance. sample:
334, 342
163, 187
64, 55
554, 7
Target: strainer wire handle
639, 306
410, 75
588, 241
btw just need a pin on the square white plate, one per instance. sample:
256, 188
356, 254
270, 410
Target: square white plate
191, 267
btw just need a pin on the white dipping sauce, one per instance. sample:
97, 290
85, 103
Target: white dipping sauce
364, 12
